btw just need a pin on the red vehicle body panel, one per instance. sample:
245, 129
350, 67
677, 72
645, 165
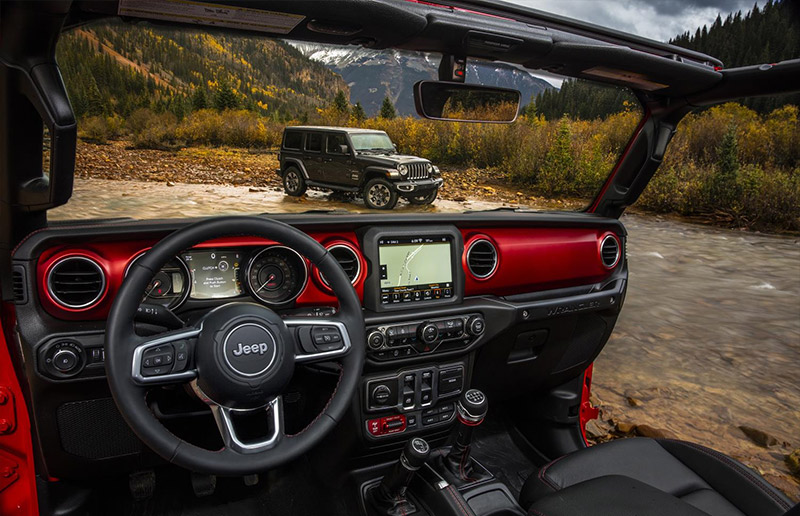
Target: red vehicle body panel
17, 469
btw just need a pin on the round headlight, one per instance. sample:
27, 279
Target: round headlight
402, 169
429, 168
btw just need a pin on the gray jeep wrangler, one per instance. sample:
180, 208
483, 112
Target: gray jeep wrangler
362, 161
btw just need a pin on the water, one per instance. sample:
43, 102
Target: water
708, 340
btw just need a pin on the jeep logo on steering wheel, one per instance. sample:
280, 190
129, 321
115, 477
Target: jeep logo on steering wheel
249, 359
244, 349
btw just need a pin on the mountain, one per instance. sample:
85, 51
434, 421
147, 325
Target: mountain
114, 67
374, 74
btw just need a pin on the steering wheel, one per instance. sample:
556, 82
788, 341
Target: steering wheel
238, 358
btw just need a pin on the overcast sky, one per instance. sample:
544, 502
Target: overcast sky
654, 19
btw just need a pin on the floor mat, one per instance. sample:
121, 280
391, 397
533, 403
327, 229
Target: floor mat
493, 447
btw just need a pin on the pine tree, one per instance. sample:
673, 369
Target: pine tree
340, 103
225, 98
95, 104
199, 99
724, 187
358, 113
387, 109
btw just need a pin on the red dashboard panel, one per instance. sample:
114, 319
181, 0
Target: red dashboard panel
114, 257
529, 260
535, 259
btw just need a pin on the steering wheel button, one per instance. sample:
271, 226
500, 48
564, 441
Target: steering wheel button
155, 371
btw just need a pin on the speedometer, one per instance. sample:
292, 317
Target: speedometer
169, 286
276, 275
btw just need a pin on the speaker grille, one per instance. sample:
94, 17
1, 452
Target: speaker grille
95, 429
18, 285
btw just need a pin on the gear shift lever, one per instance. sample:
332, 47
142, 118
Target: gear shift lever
389, 497
471, 409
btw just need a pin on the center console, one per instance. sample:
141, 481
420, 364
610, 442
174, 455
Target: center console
418, 271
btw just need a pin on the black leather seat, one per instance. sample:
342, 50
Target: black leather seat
650, 477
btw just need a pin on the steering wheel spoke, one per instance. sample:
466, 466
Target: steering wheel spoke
231, 439
165, 358
318, 339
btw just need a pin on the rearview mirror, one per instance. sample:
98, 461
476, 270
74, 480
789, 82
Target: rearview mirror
455, 101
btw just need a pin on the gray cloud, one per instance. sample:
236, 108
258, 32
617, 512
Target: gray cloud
655, 19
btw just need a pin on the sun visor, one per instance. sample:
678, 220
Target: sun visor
627, 67
215, 15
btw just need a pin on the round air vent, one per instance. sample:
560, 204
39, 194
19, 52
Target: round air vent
609, 251
348, 259
482, 258
76, 282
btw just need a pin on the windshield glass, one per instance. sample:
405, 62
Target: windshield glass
179, 122
371, 142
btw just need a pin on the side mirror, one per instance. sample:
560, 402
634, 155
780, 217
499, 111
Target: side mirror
344, 149
459, 102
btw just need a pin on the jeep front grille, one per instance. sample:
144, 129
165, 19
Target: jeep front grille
417, 171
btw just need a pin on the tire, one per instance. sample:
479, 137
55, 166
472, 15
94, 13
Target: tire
379, 194
293, 182
424, 199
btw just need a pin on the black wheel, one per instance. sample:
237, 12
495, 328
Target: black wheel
293, 182
424, 199
379, 194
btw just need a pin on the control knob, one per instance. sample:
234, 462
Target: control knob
381, 394
376, 339
428, 332
476, 325
65, 360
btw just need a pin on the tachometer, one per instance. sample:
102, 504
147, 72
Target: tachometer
276, 275
169, 286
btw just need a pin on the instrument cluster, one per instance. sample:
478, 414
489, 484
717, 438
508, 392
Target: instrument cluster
273, 275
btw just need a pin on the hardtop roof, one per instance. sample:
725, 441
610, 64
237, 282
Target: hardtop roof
330, 129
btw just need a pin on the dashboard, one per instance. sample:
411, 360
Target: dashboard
505, 302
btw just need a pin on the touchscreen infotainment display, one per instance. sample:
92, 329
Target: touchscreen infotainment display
415, 268
215, 274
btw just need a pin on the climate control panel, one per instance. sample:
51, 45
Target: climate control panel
411, 338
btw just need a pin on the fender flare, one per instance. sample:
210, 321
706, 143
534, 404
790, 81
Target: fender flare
374, 171
298, 163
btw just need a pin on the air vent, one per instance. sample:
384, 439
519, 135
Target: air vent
609, 251
76, 282
348, 259
482, 258
18, 285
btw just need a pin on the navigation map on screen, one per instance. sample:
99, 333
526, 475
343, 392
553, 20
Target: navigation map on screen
415, 269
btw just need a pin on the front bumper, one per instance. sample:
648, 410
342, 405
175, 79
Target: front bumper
418, 185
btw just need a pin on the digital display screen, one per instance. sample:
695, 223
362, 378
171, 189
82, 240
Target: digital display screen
215, 274
415, 268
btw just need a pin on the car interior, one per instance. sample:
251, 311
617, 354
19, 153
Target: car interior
336, 363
